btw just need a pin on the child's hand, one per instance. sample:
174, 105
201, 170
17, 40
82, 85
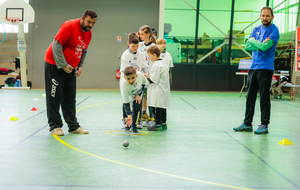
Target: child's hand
138, 99
146, 75
266, 40
128, 121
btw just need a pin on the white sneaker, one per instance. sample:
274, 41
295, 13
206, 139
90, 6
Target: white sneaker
139, 125
123, 123
148, 123
57, 131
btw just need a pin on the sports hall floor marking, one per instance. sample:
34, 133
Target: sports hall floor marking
141, 168
263, 161
145, 169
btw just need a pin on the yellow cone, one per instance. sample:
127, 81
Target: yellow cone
285, 142
13, 118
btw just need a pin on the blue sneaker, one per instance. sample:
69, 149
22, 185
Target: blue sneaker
243, 127
262, 129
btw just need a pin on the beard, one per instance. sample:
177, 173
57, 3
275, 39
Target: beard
84, 28
266, 23
87, 28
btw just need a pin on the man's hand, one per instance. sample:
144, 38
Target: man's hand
266, 40
128, 121
146, 75
138, 99
79, 71
68, 69
253, 38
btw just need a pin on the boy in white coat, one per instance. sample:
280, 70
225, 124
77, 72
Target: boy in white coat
159, 90
165, 56
135, 58
131, 91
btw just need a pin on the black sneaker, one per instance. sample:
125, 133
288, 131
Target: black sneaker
156, 127
135, 131
127, 129
164, 126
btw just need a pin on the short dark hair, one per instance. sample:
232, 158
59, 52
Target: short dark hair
271, 10
154, 50
129, 71
154, 31
90, 13
133, 38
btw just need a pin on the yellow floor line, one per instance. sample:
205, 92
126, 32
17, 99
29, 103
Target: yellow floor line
140, 168
148, 170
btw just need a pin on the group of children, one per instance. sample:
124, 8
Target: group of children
145, 81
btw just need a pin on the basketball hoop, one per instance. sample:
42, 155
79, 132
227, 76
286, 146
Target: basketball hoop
13, 20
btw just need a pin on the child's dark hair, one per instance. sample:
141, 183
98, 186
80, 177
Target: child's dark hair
133, 38
154, 50
90, 13
147, 29
154, 32
129, 71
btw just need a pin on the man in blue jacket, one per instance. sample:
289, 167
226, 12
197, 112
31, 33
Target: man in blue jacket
262, 41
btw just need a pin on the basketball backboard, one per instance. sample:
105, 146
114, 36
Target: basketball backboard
16, 8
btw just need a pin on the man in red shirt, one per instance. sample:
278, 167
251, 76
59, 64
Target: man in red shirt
63, 63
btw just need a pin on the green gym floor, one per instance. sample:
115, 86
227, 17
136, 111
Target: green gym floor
198, 151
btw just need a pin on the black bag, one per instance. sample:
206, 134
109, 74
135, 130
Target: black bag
9, 80
29, 84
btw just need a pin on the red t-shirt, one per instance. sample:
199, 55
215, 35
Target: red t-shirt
73, 39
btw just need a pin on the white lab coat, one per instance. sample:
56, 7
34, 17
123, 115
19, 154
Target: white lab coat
128, 92
137, 60
144, 49
167, 58
158, 93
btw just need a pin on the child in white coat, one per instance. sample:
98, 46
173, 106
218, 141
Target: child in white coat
165, 56
133, 57
148, 40
131, 91
159, 90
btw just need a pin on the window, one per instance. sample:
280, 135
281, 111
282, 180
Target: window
12, 28
285, 15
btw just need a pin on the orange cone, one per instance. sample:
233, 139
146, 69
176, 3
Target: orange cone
34, 109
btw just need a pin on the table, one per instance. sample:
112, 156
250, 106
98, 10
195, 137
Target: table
246, 74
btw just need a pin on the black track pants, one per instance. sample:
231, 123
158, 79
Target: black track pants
60, 91
160, 115
258, 81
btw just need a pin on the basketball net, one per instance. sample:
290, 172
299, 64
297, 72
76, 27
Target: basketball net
13, 20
